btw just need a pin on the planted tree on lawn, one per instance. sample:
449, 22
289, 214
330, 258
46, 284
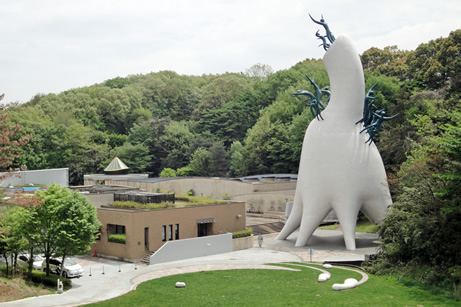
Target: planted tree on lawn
3, 235
12, 239
27, 225
68, 223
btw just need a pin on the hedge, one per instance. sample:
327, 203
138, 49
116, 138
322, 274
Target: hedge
244, 233
189, 201
39, 277
136, 205
117, 238
52, 280
197, 200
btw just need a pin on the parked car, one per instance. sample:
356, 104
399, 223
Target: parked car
70, 269
23, 261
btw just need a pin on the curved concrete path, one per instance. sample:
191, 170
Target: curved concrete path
111, 278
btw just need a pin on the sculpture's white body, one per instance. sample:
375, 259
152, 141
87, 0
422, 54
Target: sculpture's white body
338, 170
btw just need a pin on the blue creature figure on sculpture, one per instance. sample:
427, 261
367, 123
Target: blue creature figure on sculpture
328, 35
375, 126
316, 106
318, 92
324, 41
313, 105
367, 103
326, 91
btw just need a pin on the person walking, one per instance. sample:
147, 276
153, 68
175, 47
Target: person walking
260, 241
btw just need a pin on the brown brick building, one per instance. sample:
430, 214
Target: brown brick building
147, 230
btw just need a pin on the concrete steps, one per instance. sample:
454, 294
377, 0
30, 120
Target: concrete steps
262, 229
146, 259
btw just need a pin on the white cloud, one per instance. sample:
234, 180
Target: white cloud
54, 45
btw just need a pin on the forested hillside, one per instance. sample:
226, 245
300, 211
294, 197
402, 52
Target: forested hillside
232, 124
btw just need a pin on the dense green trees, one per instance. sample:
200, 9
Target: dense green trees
422, 234
56, 222
159, 120
10, 138
421, 151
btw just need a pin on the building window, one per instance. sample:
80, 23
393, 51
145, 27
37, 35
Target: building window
202, 230
164, 233
176, 232
120, 229
116, 229
170, 237
116, 233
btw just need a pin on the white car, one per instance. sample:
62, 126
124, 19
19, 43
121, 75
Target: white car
23, 261
70, 269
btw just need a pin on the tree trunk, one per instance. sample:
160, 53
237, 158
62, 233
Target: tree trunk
47, 267
62, 265
31, 261
6, 262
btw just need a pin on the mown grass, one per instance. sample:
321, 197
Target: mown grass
180, 201
273, 288
197, 200
135, 205
362, 226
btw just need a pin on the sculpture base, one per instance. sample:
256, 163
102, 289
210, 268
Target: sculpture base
327, 246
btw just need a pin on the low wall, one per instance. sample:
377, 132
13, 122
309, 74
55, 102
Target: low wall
266, 201
242, 243
191, 248
103, 199
44, 176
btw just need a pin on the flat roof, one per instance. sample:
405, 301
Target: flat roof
276, 177
94, 189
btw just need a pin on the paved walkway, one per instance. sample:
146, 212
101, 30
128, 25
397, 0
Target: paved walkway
111, 278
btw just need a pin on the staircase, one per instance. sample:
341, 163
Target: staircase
263, 229
146, 259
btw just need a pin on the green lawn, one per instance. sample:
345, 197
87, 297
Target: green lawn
362, 226
273, 288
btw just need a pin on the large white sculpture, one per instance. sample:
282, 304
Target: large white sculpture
338, 170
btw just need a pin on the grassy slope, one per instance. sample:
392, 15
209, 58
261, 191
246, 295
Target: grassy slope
273, 288
17, 288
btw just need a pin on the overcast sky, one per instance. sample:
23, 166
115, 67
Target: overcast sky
49, 46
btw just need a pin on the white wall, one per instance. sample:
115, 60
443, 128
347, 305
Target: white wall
44, 176
194, 247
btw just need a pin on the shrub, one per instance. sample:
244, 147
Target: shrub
191, 192
241, 234
117, 238
39, 277
184, 171
197, 200
136, 205
168, 172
